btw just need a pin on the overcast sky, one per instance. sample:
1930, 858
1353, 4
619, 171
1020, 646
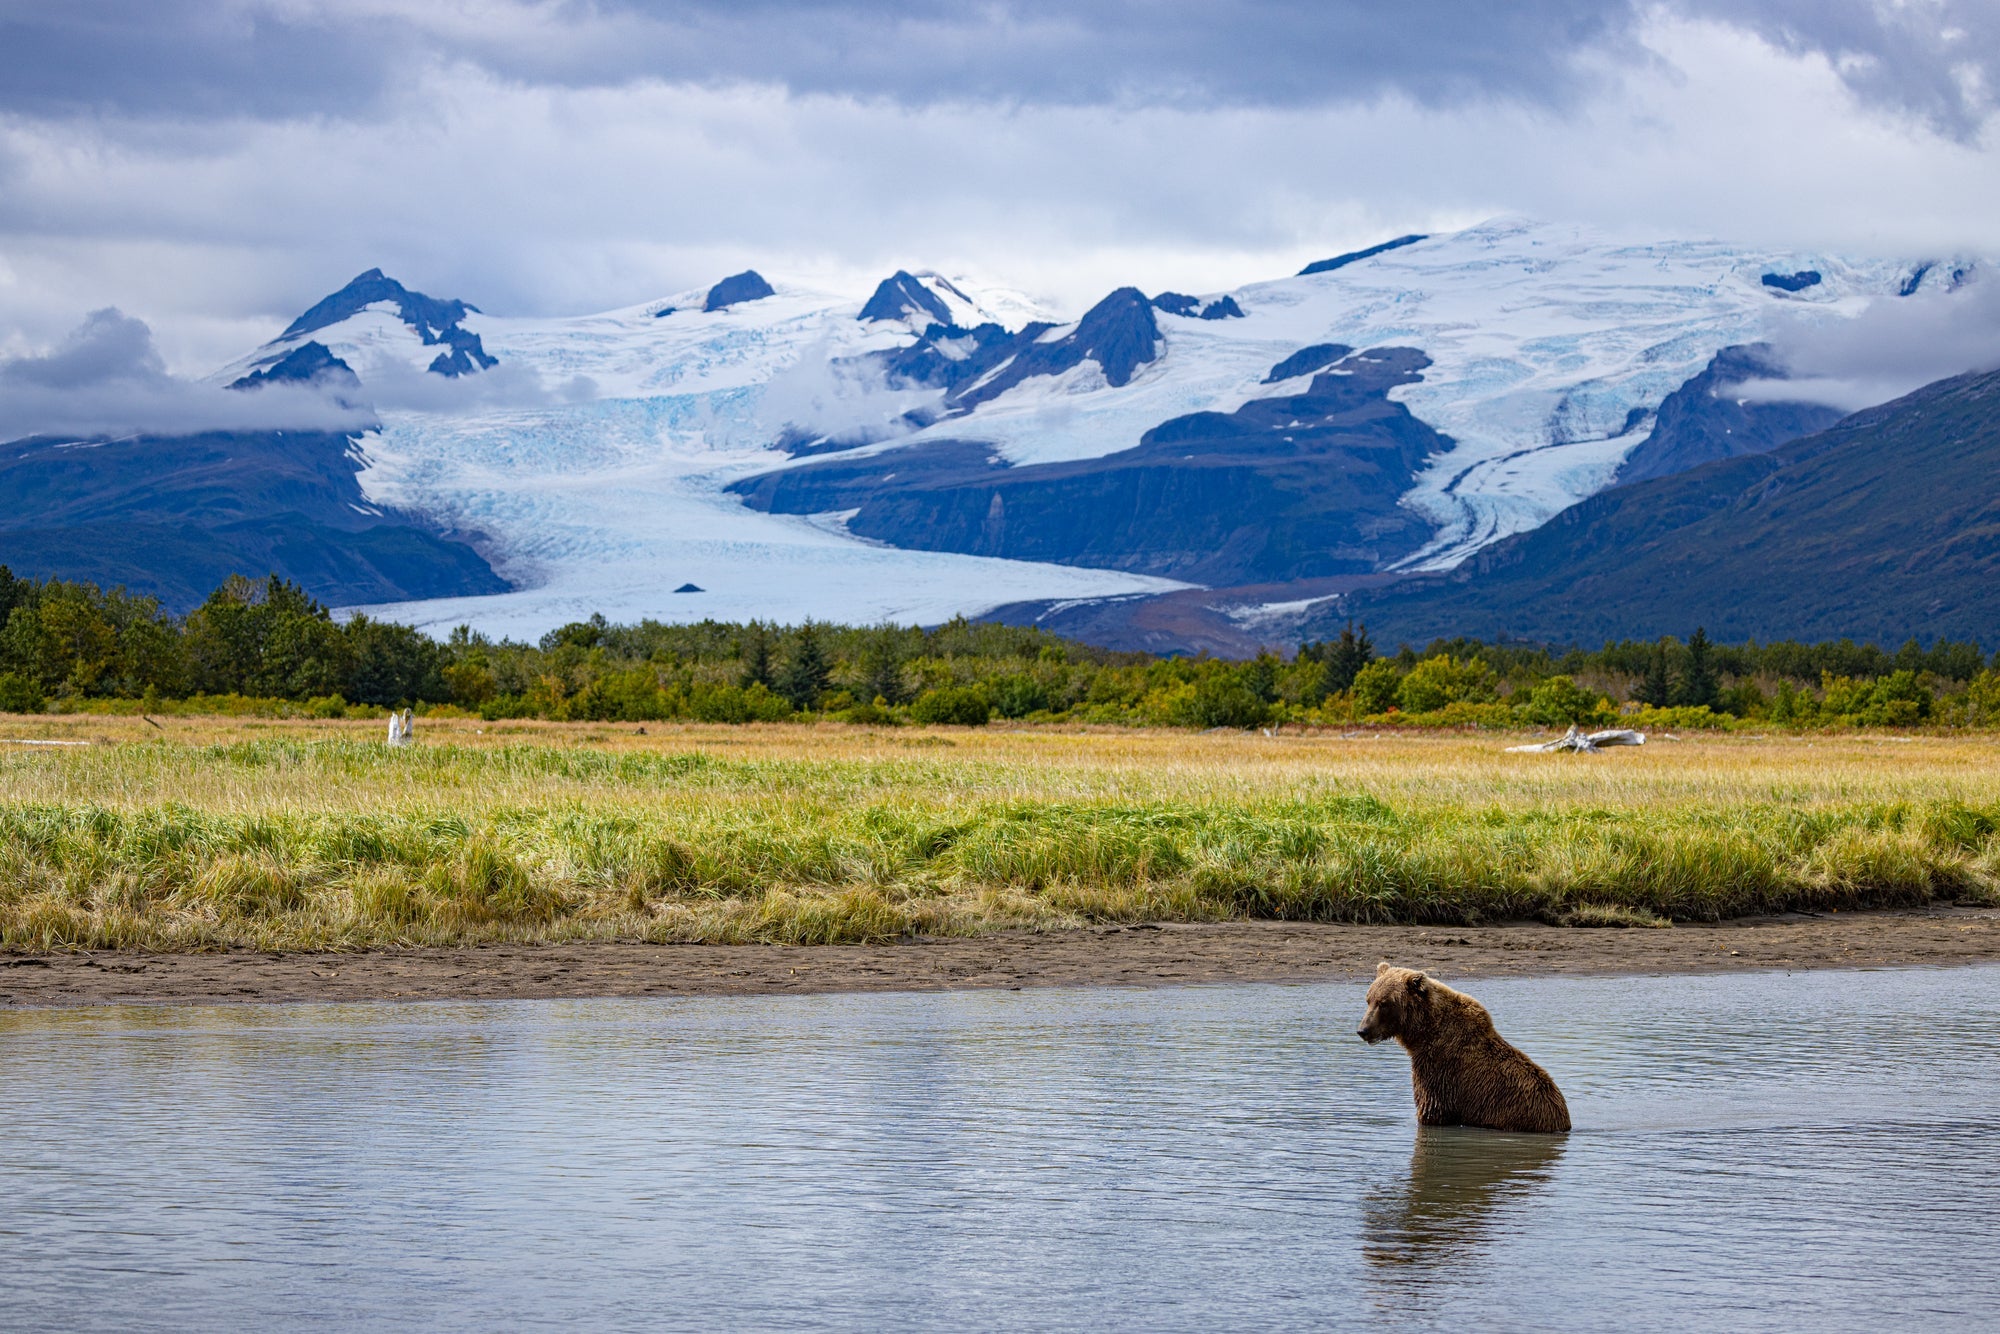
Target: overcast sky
211, 167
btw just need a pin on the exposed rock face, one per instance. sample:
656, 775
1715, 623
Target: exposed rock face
308, 363
1353, 256
1191, 307
1118, 333
1793, 282
1299, 486
1307, 360
1703, 421
902, 297
736, 289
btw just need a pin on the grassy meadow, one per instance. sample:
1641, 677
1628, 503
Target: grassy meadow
203, 833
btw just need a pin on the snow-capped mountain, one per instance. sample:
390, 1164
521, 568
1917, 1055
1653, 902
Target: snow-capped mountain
938, 447
588, 455
1550, 350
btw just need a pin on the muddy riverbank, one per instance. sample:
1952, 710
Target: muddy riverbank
1167, 955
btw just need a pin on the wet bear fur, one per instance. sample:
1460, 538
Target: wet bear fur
1464, 1072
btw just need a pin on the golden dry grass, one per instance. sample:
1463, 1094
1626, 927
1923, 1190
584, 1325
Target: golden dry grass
206, 832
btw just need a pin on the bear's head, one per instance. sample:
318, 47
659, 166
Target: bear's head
1398, 1004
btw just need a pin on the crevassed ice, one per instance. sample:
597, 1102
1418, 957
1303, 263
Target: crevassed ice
1544, 341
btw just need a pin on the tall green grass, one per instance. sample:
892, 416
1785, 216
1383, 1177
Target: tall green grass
287, 843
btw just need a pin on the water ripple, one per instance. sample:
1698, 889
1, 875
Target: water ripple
1752, 1152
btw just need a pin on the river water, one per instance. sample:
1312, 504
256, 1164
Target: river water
1817, 1150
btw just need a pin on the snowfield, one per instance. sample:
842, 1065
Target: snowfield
589, 464
1545, 341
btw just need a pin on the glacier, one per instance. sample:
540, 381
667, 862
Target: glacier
1551, 346
590, 464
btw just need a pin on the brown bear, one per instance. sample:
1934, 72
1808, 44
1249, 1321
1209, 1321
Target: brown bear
1464, 1072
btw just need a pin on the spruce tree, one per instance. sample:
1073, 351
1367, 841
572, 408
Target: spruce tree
1697, 684
1655, 688
13, 593
1260, 677
882, 668
1346, 658
806, 672
756, 653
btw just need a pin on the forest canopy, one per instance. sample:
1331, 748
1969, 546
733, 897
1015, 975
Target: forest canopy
267, 646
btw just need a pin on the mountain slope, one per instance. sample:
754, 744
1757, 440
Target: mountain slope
1886, 526
436, 323
1296, 486
173, 516
1704, 421
1550, 349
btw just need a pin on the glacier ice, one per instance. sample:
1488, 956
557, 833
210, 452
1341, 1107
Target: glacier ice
599, 485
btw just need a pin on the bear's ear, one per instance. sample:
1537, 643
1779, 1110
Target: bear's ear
1381, 968
1417, 984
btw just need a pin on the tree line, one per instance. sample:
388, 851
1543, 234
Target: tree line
62, 641
267, 645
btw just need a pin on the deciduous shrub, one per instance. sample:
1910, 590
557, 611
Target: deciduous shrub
1436, 682
1019, 694
19, 693
1560, 701
962, 706
1375, 688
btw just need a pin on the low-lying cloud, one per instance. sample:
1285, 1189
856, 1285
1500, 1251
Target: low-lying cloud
840, 398
107, 379
396, 386
1895, 345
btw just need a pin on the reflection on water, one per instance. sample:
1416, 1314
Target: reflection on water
1441, 1213
1752, 1152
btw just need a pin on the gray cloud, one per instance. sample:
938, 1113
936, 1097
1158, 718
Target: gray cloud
1895, 345
265, 58
107, 378
219, 220
109, 347
227, 58
1939, 59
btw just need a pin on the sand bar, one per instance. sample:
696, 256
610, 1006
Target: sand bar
1136, 956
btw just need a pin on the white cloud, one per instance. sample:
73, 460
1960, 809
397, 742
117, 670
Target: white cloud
393, 384
832, 397
1895, 345
106, 378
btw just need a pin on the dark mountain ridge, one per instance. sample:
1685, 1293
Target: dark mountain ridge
1355, 256
737, 289
899, 296
308, 363
172, 516
1885, 526
1299, 486
1704, 421
974, 365
1119, 333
